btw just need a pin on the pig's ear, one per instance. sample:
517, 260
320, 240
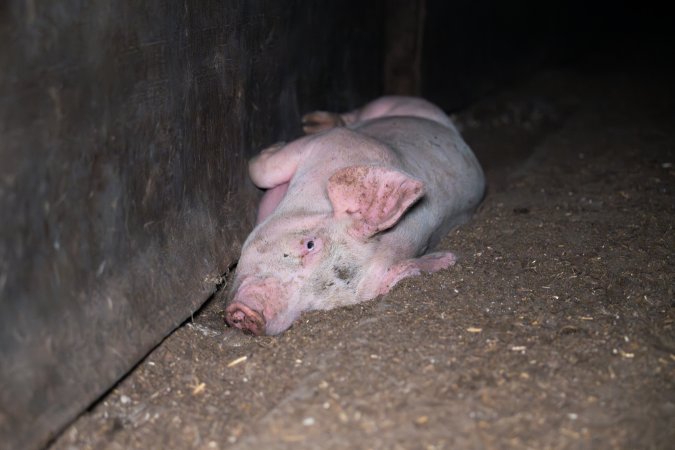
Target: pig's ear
374, 197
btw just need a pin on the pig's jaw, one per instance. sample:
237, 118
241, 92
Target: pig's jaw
281, 322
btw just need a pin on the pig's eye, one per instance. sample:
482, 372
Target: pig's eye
310, 246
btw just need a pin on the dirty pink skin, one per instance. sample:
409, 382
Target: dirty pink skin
351, 209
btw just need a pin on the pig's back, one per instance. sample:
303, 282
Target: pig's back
437, 155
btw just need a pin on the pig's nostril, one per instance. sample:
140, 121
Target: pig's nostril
237, 316
240, 316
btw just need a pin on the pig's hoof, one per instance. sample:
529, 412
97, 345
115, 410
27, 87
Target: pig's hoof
317, 121
242, 317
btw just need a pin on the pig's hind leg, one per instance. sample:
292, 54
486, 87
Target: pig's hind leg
388, 106
432, 262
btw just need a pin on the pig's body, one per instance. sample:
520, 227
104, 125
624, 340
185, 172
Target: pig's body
351, 210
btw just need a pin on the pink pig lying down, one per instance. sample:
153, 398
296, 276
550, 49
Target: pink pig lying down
351, 209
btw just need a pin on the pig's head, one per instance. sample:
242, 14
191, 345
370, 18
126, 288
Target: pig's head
296, 261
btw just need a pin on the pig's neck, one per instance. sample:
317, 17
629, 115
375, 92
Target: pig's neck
392, 247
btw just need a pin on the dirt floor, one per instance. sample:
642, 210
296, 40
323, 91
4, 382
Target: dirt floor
554, 330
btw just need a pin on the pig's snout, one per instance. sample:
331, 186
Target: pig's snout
260, 306
241, 316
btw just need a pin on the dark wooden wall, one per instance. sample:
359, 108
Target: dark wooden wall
124, 131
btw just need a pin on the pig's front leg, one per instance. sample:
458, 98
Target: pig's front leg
430, 263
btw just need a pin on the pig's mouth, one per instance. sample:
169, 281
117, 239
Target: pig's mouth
240, 316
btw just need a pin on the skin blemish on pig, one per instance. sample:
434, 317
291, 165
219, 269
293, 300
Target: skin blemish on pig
344, 273
261, 245
322, 289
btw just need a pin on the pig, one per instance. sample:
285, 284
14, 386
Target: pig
351, 209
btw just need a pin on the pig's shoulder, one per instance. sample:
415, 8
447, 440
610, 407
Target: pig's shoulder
348, 140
